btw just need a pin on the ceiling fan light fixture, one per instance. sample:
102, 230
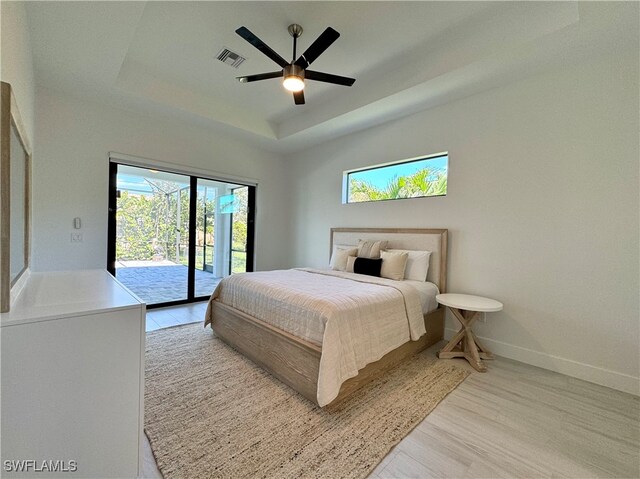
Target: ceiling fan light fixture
293, 78
293, 83
294, 74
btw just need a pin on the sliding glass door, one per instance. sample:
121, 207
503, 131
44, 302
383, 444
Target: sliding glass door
172, 237
223, 221
239, 218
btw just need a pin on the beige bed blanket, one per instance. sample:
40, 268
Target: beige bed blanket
356, 319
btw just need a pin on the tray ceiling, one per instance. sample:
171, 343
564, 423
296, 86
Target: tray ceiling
159, 57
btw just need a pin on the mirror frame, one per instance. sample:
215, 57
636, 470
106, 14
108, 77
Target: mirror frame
10, 117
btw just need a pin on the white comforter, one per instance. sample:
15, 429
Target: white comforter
359, 318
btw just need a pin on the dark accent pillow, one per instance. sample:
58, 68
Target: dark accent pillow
367, 266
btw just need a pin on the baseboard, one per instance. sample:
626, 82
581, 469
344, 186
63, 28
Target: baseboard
586, 372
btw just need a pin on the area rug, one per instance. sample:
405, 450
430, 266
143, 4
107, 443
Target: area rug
210, 412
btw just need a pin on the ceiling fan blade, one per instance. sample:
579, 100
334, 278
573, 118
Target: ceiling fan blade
262, 46
328, 78
259, 76
323, 42
298, 97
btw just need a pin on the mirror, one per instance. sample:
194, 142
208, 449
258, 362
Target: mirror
15, 162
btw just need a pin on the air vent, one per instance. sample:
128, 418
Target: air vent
230, 58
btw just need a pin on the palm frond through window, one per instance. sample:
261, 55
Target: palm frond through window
414, 178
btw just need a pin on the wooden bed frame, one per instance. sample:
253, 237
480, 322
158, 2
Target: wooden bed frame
296, 362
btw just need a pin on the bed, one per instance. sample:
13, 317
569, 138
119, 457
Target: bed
327, 333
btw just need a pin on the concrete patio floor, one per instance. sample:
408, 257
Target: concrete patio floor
163, 283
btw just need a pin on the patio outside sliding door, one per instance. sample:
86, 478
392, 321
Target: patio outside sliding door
173, 237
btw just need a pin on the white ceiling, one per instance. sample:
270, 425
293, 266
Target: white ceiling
406, 56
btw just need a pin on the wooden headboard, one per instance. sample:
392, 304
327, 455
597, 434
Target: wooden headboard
434, 240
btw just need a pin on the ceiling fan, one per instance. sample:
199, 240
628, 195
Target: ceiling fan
296, 72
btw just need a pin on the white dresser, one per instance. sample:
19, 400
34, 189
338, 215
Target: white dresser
72, 377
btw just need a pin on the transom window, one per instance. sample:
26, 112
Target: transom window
413, 178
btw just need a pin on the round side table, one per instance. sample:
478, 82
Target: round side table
465, 344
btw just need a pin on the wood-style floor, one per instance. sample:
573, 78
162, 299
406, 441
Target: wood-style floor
518, 421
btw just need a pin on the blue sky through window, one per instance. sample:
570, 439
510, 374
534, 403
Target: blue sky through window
136, 184
379, 177
139, 185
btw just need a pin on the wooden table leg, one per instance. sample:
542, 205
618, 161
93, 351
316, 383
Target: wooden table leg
453, 342
456, 347
484, 352
465, 344
472, 354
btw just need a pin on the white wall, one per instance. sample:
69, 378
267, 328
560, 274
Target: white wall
70, 177
542, 210
16, 63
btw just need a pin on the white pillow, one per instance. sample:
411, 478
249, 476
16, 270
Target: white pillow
370, 249
417, 263
393, 265
351, 261
339, 257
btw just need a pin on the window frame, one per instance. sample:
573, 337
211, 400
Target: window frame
346, 173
